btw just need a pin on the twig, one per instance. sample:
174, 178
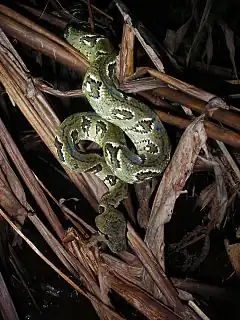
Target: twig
153, 56
85, 293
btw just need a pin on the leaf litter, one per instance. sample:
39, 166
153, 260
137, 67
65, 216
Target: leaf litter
139, 275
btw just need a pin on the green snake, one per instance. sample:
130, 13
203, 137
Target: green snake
116, 115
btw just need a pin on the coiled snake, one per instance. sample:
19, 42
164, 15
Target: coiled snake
116, 114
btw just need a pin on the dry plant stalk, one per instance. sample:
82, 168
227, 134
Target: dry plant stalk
138, 276
233, 251
125, 59
172, 183
215, 106
7, 308
15, 206
38, 112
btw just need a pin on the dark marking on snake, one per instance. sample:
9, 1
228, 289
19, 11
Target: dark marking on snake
141, 176
151, 148
112, 180
122, 114
113, 154
59, 146
75, 166
92, 40
95, 169
74, 135
85, 125
95, 86
143, 126
101, 128
147, 146
100, 53
111, 69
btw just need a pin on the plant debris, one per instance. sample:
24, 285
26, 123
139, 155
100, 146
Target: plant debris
183, 228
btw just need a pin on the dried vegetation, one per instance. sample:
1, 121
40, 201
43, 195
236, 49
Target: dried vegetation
208, 148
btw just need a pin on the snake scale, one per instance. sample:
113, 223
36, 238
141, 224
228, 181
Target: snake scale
116, 115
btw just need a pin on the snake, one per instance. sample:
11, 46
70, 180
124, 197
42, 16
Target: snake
135, 145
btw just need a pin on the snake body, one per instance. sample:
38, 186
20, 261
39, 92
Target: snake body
116, 114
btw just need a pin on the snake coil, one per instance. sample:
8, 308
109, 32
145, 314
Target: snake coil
116, 114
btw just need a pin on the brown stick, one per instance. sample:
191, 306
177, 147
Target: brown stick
37, 40
225, 116
40, 43
213, 131
151, 308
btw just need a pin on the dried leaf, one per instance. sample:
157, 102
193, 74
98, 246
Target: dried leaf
233, 251
209, 46
172, 183
206, 196
229, 37
180, 33
104, 285
125, 59
97, 187
143, 193
149, 307
12, 179
12, 195
221, 193
9, 203
8, 310
169, 41
200, 33
230, 162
